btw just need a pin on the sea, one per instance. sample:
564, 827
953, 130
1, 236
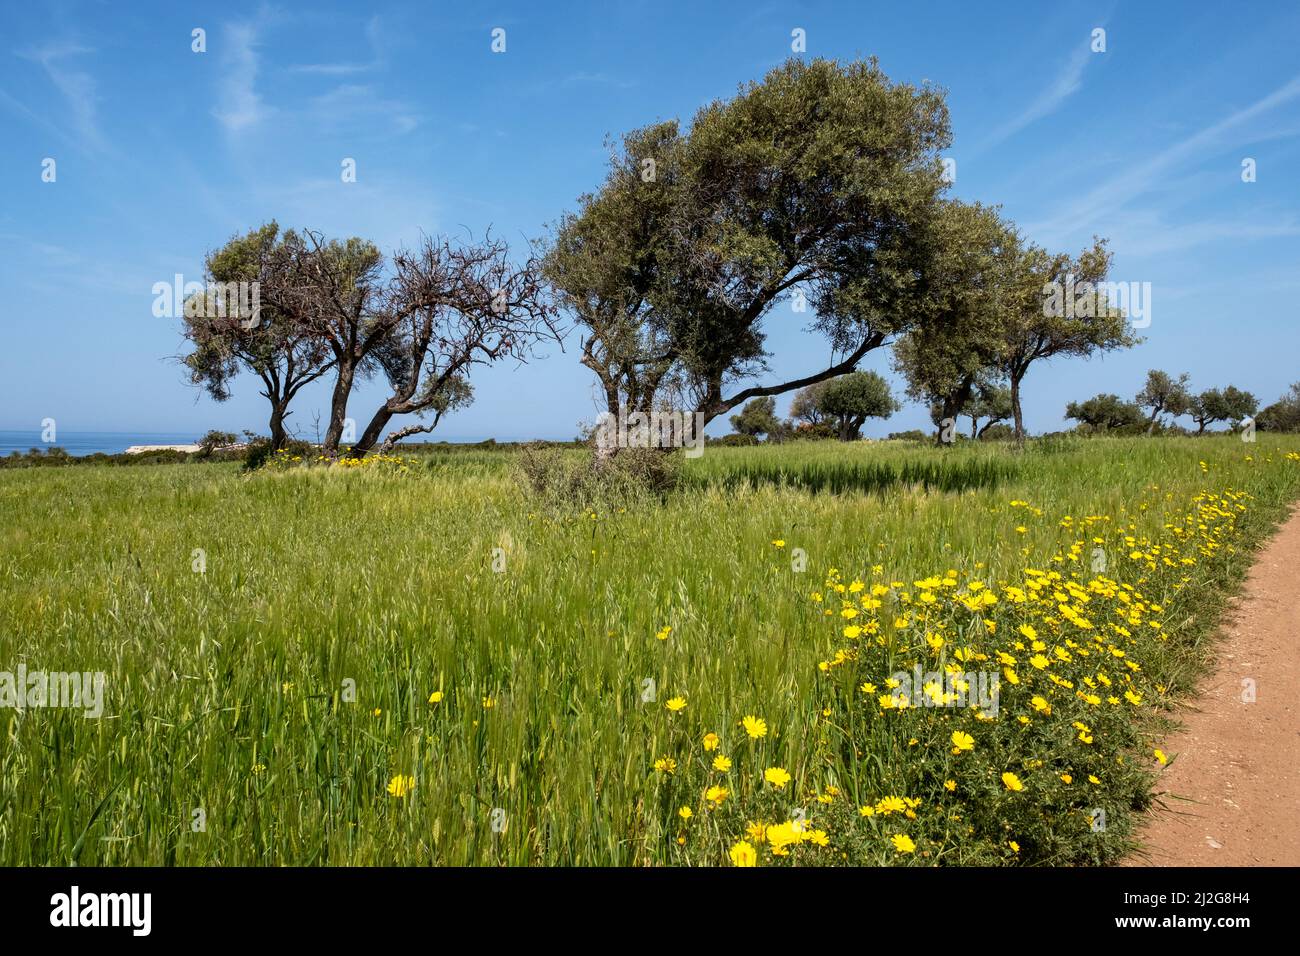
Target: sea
112, 443
88, 443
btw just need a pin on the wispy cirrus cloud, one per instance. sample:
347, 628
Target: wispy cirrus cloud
1068, 81
1111, 197
17, 106
358, 106
1152, 234
580, 78
332, 69
345, 106
378, 59
598, 79
78, 87
240, 106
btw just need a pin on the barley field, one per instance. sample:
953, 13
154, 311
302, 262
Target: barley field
416, 661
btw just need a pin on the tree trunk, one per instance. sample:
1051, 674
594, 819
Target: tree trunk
1016, 412
338, 409
278, 435
605, 452
371, 435
948, 410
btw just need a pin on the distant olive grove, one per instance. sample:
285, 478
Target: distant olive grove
1164, 399
1154, 410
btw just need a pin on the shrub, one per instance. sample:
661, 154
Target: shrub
998, 432
1058, 443
214, 440
813, 431
576, 478
1283, 415
258, 451
37, 457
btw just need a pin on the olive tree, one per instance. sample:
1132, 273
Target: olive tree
611, 261
423, 321
758, 417
853, 398
225, 337
813, 188
992, 403
452, 306
967, 287
805, 406
1227, 405
1105, 412
1060, 308
1284, 414
1164, 394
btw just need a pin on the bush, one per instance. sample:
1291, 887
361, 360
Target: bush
998, 432
813, 432
159, 456
258, 451
214, 440
574, 478
734, 440
1283, 415
1059, 443
37, 457
40, 458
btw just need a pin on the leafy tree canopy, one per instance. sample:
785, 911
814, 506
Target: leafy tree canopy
1105, 412
852, 399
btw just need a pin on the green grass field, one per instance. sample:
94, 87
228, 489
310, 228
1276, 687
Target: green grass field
285, 690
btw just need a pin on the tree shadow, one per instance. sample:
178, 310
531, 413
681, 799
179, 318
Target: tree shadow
868, 477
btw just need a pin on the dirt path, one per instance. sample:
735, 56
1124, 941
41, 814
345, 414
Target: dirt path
1232, 796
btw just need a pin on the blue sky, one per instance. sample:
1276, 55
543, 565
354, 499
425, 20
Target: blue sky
163, 153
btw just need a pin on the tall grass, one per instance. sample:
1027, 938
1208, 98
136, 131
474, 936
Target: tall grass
231, 691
